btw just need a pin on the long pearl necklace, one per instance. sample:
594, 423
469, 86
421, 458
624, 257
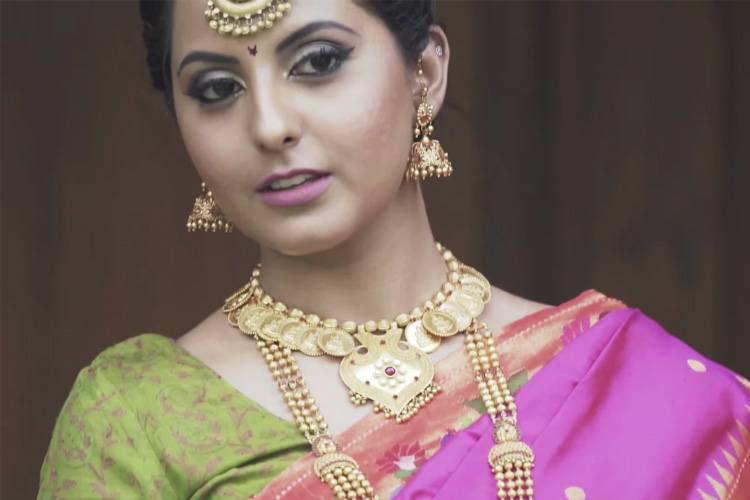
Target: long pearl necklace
382, 367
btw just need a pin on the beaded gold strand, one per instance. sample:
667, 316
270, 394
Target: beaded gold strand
340, 471
258, 315
511, 459
381, 361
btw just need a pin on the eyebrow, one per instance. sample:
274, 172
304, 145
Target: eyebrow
201, 55
311, 28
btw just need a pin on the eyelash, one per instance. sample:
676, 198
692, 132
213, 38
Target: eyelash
337, 54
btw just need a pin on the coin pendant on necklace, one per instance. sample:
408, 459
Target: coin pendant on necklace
459, 313
237, 299
477, 290
439, 323
335, 342
250, 317
468, 273
473, 304
308, 341
290, 333
270, 327
416, 335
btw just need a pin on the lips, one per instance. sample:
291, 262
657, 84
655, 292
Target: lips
303, 194
287, 174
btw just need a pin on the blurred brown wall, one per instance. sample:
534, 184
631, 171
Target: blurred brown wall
601, 145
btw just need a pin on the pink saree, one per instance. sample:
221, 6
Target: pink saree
612, 405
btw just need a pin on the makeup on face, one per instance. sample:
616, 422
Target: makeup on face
296, 191
319, 61
303, 96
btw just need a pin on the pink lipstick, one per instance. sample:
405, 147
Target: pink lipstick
301, 194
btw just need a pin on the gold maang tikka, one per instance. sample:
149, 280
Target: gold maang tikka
245, 17
427, 157
206, 214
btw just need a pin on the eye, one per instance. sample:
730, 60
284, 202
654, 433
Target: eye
214, 90
322, 61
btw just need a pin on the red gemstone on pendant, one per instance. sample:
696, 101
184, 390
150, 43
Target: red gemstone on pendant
390, 371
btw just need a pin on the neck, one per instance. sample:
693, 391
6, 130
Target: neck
387, 268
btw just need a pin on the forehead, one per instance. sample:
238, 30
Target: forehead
190, 27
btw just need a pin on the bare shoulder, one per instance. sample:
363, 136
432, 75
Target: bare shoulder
228, 352
213, 338
237, 359
505, 308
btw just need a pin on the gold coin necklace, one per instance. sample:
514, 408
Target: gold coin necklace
379, 365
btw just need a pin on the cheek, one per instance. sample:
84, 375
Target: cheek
210, 151
375, 130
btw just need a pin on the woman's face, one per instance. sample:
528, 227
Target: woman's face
339, 99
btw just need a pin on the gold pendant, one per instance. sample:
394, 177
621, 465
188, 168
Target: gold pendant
473, 282
250, 317
474, 305
237, 299
417, 336
439, 323
458, 312
335, 342
396, 376
291, 332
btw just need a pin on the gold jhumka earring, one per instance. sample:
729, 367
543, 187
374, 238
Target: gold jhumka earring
206, 214
427, 157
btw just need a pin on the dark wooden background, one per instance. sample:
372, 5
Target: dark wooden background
602, 145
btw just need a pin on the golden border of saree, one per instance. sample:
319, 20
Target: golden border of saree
524, 346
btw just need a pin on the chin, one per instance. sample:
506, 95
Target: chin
311, 239
307, 247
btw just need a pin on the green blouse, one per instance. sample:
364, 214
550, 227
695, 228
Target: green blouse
146, 419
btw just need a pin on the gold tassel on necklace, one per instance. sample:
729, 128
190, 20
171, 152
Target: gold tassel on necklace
511, 460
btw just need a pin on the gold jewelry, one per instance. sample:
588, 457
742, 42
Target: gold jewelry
245, 17
395, 374
511, 460
424, 325
207, 215
427, 157
340, 471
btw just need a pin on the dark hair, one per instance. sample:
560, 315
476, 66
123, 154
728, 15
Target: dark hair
408, 20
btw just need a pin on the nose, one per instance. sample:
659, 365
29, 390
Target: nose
274, 120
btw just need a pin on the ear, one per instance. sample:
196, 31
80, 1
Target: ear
434, 68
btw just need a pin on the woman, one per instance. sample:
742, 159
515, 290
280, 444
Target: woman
311, 124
